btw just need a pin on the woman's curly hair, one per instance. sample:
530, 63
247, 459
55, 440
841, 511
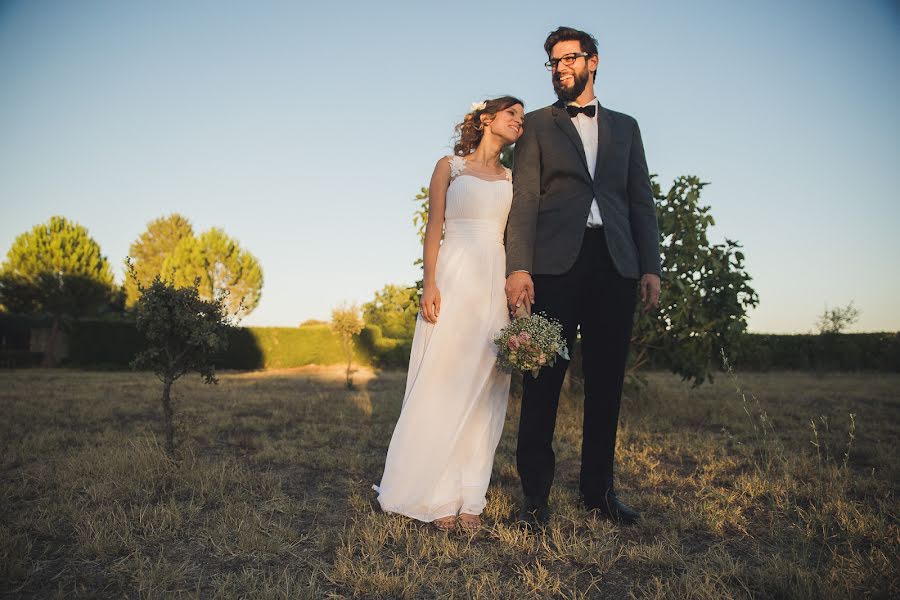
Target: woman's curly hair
470, 131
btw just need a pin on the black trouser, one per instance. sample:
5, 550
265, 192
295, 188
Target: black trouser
593, 296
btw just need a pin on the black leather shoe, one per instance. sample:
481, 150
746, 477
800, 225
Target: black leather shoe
614, 509
535, 512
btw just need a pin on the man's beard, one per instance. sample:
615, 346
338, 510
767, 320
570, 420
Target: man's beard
578, 85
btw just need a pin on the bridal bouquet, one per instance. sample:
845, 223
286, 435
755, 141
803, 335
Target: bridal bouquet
531, 342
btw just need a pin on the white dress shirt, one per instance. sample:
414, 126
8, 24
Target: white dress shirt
587, 130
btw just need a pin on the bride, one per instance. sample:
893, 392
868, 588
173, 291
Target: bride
439, 462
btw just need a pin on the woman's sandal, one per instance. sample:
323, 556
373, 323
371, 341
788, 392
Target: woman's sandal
445, 523
469, 523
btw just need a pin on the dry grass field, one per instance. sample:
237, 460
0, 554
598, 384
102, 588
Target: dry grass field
767, 491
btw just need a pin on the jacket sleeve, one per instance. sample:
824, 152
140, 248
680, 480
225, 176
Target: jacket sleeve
522, 223
642, 208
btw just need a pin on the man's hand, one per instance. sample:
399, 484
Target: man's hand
649, 290
519, 289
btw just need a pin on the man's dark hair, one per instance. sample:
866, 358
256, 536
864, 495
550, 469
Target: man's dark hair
565, 34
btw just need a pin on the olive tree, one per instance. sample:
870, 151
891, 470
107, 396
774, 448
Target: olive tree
346, 323
183, 333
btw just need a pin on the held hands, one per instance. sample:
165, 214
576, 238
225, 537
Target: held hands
431, 303
519, 290
650, 286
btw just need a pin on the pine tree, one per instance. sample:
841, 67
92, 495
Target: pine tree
56, 269
225, 270
150, 250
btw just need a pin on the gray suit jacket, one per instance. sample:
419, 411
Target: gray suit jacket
553, 190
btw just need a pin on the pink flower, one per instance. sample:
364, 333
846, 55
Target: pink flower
524, 336
513, 343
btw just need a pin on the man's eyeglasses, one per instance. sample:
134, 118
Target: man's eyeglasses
566, 59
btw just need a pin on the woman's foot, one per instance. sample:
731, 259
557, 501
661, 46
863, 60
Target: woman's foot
445, 523
469, 523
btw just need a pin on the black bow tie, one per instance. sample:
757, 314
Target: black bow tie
590, 110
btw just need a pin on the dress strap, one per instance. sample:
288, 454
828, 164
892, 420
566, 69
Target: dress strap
457, 164
508, 174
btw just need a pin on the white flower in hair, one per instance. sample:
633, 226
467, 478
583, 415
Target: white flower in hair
478, 106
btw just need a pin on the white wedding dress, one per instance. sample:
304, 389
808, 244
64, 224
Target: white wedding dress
442, 451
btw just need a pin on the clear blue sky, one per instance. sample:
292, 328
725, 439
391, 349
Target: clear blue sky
304, 129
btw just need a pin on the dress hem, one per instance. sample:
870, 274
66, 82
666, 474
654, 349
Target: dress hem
421, 516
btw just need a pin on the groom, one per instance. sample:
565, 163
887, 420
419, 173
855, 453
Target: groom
581, 239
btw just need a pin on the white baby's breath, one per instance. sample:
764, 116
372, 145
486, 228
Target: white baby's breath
530, 343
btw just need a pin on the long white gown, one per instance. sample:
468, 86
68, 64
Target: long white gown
441, 454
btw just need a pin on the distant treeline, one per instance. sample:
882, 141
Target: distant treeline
112, 343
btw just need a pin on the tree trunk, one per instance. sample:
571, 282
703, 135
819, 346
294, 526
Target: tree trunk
168, 413
349, 375
49, 359
348, 348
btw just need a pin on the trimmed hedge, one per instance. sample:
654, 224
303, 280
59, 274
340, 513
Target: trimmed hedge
248, 347
103, 344
832, 352
113, 343
282, 347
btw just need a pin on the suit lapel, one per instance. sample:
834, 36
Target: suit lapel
604, 138
564, 122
